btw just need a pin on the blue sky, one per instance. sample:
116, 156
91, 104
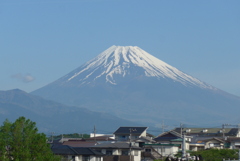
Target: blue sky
41, 41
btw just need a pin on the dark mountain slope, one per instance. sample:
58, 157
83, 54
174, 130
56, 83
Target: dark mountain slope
55, 117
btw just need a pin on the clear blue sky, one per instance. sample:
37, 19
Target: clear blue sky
42, 40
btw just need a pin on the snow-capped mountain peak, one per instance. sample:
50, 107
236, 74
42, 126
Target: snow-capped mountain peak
129, 83
119, 60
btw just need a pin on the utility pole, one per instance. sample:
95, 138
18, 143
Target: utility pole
130, 144
239, 154
238, 129
183, 146
223, 131
52, 136
181, 125
62, 138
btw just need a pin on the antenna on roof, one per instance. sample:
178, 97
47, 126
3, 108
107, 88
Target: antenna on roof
94, 131
163, 126
62, 138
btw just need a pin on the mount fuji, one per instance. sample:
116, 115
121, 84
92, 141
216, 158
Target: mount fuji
132, 84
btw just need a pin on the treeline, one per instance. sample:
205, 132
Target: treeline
74, 135
217, 154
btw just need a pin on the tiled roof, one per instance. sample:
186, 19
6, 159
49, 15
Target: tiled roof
167, 136
237, 139
101, 138
67, 150
118, 145
79, 143
218, 139
127, 130
144, 139
209, 131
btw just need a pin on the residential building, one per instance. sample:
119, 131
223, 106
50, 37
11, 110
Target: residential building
121, 151
207, 132
76, 153
130, 133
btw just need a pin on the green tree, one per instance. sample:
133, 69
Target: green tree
20, 141
217, 154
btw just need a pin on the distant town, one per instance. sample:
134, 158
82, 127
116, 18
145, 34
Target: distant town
136, 144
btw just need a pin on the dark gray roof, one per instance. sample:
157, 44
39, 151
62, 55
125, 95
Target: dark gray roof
127, 130
118, 145
168, 136
209, 131
218, 139
236, 139
67, 150
144, 139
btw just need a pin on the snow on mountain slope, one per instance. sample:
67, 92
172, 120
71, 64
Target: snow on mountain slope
132, 84
117, 60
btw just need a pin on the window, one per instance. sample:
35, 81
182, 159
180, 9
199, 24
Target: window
86, 158
148, 150
73, 158
109, 152
98, 158
124, 152
211, 145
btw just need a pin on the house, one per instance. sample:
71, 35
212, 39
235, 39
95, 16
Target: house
101, 138
143, 140
77, 153
214, 143
232, 142
168, 143
79, 143
166, 137
158, 150
107, 136
130, 133
121, 151
202, 138
207, 132
74, 142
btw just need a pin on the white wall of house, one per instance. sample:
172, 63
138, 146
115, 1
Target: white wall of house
94, 158
115, 152
77, 158
127, 137
238, 134
70, 158
235, 145
166, 150
169, 150
136, 154
97, 135
144, 134
213, 144
196, 147
80, 158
